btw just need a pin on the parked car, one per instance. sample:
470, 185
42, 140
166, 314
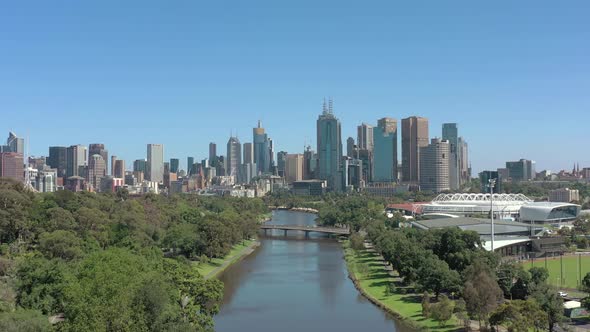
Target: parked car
562, 294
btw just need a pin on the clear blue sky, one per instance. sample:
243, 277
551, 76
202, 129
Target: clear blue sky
515, 75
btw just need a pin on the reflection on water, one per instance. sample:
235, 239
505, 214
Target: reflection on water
295, 283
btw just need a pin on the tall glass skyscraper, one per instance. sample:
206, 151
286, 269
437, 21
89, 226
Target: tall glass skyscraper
329, 143
174, 163
262, 149
451, 134
385, 151
155, 163
234, 156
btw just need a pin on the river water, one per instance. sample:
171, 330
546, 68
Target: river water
298, 284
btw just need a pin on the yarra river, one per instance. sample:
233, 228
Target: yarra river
296, 284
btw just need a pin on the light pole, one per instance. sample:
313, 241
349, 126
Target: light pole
492, 183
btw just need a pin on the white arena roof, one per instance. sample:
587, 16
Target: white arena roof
480, 198
467, 204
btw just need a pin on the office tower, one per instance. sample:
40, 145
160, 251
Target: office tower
366, 156
15, 144
464, 166
365, 137
155, 163
98, 148
174, 164
58, 159
97, 169
248, 153
220, 168
12, 165
385, 151
414, 136
113, 160
140, 165
234, 156
246, 172
293, 167
451, 134
484, 179
329, 144
522, 170
190, 161
350, 147
205, 163
212, 151
281, 159
119, 169
434, 166
75, 160
309, 163
262, 149
37, 162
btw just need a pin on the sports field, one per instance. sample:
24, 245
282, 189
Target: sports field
572, 266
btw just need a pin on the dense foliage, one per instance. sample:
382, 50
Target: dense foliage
106, 262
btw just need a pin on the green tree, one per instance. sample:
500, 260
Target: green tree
482, 295
60, 244
442, 311
24, 321
539, 274
435, 276
548, 299
426, 305
357, 242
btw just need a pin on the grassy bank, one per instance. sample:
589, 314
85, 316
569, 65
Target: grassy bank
218, 265
373, 282
570, 277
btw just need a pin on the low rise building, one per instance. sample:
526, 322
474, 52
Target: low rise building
564, 195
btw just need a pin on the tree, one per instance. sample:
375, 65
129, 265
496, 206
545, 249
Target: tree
519, 316
357, 242
24, 321
434, 275
549, 300
60, 244
442, 311
538, 274
482, 295
426, 304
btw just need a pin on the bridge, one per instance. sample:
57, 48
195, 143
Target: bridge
307, 229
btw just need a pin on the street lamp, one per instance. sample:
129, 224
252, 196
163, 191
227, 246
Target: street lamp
491, 184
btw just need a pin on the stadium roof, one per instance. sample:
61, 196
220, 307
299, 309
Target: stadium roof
473, 198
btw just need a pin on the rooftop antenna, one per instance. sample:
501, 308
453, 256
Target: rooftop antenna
324, 107
330, 106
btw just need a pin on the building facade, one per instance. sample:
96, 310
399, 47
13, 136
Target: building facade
248, 153
434, 166
484, 179
385, 151
262, 149
329, 146
58, 159
155, 163
365, 137
76, 160
522, 170
97, 169
233, 157
450, 133
293, 167
12, 166
15, 144
174, 165
414, 137
564, 195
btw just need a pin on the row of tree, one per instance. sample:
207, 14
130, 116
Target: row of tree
106, 262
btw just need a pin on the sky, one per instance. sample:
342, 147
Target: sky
514, 75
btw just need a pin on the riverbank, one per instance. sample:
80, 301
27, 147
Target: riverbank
217, 265
295, 209
373, 283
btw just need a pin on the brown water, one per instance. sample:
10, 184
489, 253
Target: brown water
296, 284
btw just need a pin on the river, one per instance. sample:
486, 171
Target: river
298, 284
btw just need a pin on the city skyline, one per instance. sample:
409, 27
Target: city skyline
187, 77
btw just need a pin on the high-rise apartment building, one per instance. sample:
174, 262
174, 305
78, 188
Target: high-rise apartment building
385, 151
365, 137
190, 161
464, 165
76, 160
293, 167
434, 166
450, 133
113, 160
414, 137
58, 159
174, 165
233, 157
12, 165
212, 152
15, 144
155, 163
97, 170
329, 144
98, 148
248, 153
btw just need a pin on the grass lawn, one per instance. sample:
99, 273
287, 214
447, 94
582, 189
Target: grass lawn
375, 282
235, 254
571, 270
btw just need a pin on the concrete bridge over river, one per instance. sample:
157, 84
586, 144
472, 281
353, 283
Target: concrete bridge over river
307, 229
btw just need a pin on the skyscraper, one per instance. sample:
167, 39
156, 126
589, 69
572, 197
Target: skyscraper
190, 161
464, 165
293, 167
329, 144
522, 170
58, 159
75, 160
414, 136
15, 144
12, 165
385, 151
119, 169
212, 153
248, 153
350, 147
113, 160
97, 170
434, 166
365, 137
174, 164
98, 148
451, 134
140, 165
155, 163
262, 149
281, 160
309, 163
233, 157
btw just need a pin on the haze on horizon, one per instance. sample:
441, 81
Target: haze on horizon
513, 75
